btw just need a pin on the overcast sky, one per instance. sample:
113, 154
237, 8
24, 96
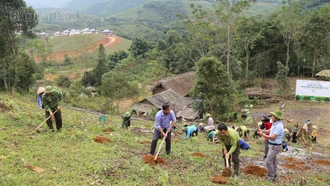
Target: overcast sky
47, 3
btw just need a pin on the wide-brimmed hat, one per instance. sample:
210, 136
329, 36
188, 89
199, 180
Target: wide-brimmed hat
277, 114
40, 90
201, 124
314, 127
48, 89
127, 114
208, 115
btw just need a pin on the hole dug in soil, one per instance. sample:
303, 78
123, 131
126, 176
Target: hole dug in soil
219, 179
199, 154
322, 162
101, 139
149, 159
255, 170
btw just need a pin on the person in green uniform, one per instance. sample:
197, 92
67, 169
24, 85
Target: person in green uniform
51, 101
127, 118
229, 142
243, 132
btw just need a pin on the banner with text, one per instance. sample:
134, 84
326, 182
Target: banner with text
313, 90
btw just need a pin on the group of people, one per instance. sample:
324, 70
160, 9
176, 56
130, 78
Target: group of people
228, 138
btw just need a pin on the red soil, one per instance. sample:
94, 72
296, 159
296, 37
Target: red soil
255, 170
199, 154
322, 162
219, 179
101, 139
148, 159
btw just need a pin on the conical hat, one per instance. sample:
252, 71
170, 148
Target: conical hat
40, 90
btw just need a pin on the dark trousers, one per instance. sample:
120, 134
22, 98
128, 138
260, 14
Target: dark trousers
313, 139
155, 140
58, 120
234, 156
294, 137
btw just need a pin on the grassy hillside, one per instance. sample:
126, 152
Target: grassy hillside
73, 43
72, 157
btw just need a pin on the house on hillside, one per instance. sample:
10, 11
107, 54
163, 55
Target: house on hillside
182, 106
57, 33
108, 32
182, 84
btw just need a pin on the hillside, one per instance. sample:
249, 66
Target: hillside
162, 10
87, 152
83, 4
75, 45
113, 7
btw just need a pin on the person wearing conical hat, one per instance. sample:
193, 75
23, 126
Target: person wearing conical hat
314, 134
40, 92
275, 136
51, 101
209, 118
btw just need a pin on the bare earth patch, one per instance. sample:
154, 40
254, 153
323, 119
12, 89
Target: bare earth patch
219, 179
149, 159
199, 154
322, 162
101, 139
254, 170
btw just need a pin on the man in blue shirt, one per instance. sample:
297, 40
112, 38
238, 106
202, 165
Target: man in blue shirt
164, 121
275, 135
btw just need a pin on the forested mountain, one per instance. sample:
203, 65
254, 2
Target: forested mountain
113, 7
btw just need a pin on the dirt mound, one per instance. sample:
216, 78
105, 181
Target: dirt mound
199, 154
107, 130
219, 179
145, 142
148, 159
101, 139
255, 170
291, 166
322, 162
292, 160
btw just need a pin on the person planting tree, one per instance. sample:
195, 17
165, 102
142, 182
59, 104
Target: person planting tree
51, 100
164, 121
229, 141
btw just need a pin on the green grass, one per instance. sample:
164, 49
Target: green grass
71, 157
123, 45
74, 43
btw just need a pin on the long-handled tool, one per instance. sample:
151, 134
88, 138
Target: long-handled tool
45, 121
227, 171
161, 145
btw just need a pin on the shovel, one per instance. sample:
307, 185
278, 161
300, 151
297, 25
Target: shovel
44, 121
227, 171
160, 146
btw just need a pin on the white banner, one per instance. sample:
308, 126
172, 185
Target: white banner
313, 88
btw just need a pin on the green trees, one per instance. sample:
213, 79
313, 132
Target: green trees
100, 68
213, 86
139, 47
314, 37
11, 61
116, 87
282, 78
113, 59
